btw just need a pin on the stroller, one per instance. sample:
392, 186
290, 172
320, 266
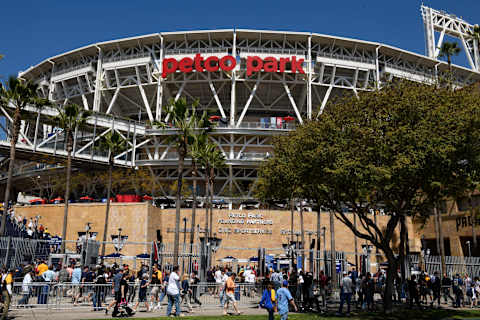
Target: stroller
122, 310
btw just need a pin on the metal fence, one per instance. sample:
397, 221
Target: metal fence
454, 265
15, 252
67, 295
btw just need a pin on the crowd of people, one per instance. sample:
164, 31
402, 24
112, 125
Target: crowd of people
120, 290
29, 228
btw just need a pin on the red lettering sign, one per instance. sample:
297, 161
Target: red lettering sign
228, 63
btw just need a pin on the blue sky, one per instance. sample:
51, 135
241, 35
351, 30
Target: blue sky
35, 30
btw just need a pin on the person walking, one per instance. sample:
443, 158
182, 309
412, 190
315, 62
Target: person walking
156, 283
117, 279
173, 293
26, 287
268, 301
142, 292
230, 294
7, 286
322, 284
284, 297
76, 278
194, 281
446, 286
413, 294
346, 290
436, 285
99, 290
186, 292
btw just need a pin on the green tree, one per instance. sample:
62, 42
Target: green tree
448, 50
70, 118
280, 179
113, 143
387, 149
19, 94
185, 121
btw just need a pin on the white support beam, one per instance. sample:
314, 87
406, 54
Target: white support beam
292, 101
325, 100
85, 102
233, 98
158, 109
249, 100
94, 140
309, 79
215, 95
467, 52
439, 44
112, 102
98, 83
145, 101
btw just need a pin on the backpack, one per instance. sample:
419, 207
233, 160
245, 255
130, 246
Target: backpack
266, 301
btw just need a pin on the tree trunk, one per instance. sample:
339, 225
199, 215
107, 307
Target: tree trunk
211, 201
402, 247
317, 264
333, 264
291, 220
13, 144
440, 235
181, 158
437, 232
194, 207
67, 187
206, 207
302, 230
355, 241
107, 210
392, 269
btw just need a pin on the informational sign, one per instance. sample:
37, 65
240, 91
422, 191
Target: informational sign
338, 266
245, 220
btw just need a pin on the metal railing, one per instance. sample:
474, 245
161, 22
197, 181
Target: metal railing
53, 295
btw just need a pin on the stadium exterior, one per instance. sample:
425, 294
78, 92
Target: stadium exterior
259, 83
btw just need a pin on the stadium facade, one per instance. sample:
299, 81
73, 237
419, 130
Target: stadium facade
258, 83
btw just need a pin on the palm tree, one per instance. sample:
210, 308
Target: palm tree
19, 94
448, 50
195, 153
70, 118
217, 161
113, 143
211, 158
185, 121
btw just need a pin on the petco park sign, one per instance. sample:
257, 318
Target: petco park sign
228, 63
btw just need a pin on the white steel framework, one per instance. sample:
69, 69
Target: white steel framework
451, 25
121, 82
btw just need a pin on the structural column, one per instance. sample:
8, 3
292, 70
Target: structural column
234, 72
309, 79
98, 82
158, 110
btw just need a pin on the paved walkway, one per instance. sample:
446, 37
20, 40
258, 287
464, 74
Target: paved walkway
84, 313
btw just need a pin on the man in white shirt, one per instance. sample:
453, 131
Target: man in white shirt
346, 286
218, 280
173, 292
26, 287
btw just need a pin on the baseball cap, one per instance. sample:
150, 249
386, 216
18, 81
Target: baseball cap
285, 283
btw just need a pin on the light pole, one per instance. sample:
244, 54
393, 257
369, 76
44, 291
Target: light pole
184, 241
324, 233
85, 243
469, 248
